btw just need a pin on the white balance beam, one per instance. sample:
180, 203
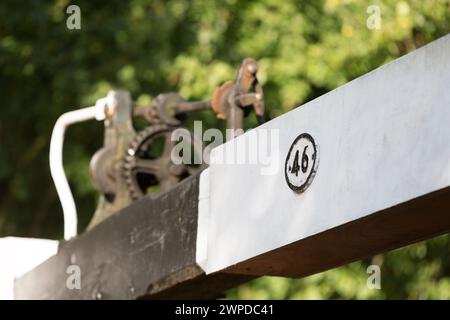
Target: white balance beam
18, 256
383, 140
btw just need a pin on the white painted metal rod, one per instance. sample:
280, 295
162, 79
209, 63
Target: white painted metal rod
56, 162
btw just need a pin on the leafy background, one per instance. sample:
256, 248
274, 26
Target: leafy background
305, 49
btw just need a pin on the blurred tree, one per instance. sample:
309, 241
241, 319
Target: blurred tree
305, 49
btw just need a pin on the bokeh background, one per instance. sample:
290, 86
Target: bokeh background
305, 49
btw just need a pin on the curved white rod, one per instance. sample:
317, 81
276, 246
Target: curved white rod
56, 162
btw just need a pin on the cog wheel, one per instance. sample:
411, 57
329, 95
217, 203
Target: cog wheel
151, 166
102, 172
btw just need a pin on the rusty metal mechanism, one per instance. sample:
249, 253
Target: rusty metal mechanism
132, 164
230, 99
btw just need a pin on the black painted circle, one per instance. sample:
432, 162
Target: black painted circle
308, 165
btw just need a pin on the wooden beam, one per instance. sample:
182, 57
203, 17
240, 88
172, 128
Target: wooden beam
388, 229
129, 257
380, 141
146, 250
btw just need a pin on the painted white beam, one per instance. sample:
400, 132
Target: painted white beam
382, 140
18, 256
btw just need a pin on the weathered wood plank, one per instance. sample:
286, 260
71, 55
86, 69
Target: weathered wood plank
129, 257
141, 251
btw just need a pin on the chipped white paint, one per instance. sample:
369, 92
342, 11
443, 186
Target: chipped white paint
384, 139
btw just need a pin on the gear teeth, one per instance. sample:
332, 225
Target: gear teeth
128, 164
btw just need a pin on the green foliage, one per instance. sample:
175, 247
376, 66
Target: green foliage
305, 48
